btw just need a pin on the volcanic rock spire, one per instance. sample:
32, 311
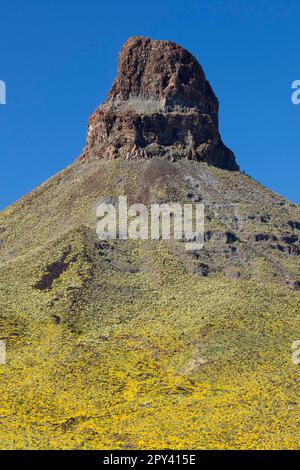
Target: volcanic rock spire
159, 105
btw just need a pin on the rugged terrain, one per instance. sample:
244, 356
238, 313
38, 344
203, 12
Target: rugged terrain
160, 105
141, 344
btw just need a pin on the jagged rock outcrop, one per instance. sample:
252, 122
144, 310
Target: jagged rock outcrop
160, 105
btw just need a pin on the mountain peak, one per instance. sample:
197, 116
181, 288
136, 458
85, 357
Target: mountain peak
160, 104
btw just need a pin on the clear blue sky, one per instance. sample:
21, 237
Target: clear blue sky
59, 57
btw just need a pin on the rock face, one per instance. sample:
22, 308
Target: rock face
160, 105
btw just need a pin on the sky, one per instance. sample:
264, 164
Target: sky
58, 59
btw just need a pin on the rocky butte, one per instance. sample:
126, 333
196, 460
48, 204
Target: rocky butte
141, 344
159, 105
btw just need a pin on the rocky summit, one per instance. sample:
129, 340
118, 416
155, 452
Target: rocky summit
160, 105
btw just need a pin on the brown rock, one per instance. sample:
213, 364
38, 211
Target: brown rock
160, 105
